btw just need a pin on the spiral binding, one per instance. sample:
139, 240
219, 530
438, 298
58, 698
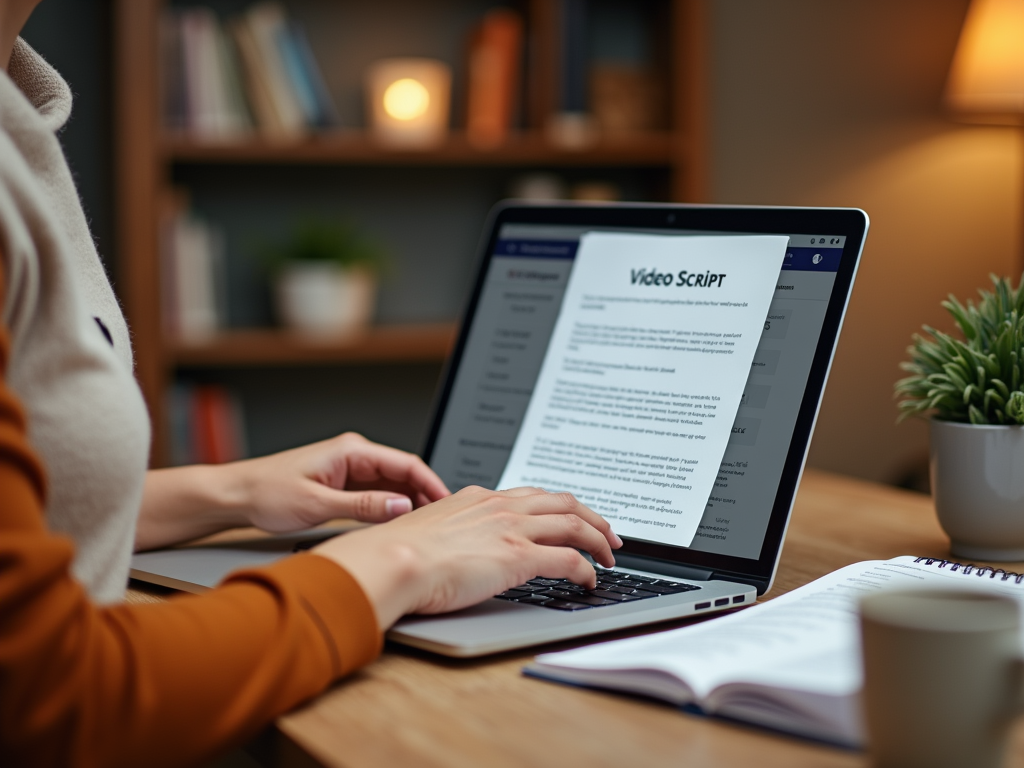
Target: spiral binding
978, 570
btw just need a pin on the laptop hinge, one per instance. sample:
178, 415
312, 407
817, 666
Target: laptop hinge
691, 572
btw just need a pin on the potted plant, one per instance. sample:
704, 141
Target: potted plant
972, 390
325, 278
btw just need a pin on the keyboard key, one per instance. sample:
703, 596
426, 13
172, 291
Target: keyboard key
565, 605
592, 600
512, 594
534, 599
562, 594
645, 592
666, 588
645, 579
616, 596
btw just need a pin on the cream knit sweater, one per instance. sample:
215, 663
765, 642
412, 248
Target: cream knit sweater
71, 361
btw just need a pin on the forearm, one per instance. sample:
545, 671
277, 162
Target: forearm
185, 503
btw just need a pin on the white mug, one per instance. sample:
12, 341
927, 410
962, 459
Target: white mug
943, 677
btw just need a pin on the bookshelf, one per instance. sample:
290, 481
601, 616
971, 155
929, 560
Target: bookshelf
402, 343
150, 160
654, 149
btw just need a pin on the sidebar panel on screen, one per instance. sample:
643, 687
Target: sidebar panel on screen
518, 308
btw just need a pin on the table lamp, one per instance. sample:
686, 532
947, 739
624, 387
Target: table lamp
408, 102
986, 80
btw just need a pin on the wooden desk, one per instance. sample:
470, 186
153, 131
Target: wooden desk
415, 709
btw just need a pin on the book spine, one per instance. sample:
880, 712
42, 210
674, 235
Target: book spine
180, 405
265, 20
216, 425
295, 71
195, 255
196, 94
325, 104
238, 117
172, 76
256, 80
574, 56
215, 78
494, 65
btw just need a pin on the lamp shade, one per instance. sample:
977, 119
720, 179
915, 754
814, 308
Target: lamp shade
987, 76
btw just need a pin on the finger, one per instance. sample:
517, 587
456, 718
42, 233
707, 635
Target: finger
568, 531
366, 506
543, 503
562, 563
372, 462
525, 490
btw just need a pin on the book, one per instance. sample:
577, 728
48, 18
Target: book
207, 424
327, 112
174, 99
192, 279
267, 22
791, 664
221, 81
217, 431
256, 81
495, 53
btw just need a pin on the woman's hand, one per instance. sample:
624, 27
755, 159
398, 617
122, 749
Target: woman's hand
471, 546
344, 477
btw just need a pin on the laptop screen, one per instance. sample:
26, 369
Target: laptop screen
520, 300
527, 263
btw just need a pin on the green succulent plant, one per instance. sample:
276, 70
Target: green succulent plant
975, 380
314, 239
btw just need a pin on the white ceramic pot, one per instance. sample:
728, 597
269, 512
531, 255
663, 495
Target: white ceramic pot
977, 474
321, 299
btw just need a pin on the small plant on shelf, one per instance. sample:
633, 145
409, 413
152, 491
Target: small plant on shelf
320, 240
976, 380
325, 277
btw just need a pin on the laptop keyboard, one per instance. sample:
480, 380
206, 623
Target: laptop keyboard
613, 587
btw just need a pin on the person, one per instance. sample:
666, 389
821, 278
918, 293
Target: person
86, 680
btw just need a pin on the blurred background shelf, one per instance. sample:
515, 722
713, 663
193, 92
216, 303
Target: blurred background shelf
650, 149
397, 343
425, 208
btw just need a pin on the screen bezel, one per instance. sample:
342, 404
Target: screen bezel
850, 222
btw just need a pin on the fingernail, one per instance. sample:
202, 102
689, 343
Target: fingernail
618, 541
396, 507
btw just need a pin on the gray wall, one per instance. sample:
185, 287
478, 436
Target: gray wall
839, 103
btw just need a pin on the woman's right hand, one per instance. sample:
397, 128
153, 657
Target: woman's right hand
470, 546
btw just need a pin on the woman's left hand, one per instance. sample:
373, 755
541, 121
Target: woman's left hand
345, 477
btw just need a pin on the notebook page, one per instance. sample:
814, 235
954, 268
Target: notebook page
806, 640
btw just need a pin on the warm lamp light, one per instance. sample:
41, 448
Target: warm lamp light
408, 101
987, 76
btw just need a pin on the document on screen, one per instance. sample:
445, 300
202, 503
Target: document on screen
636, 399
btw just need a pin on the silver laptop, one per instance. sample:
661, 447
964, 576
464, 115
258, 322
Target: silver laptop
526, 259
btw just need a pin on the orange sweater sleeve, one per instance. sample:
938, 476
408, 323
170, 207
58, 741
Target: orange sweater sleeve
153, 685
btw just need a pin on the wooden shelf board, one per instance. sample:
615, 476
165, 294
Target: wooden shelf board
412, 343
356, 148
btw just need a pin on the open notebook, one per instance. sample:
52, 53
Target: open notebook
791, 664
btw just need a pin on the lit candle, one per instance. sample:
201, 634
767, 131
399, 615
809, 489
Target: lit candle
408, 101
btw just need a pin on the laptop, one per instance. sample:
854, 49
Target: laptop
483, 417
